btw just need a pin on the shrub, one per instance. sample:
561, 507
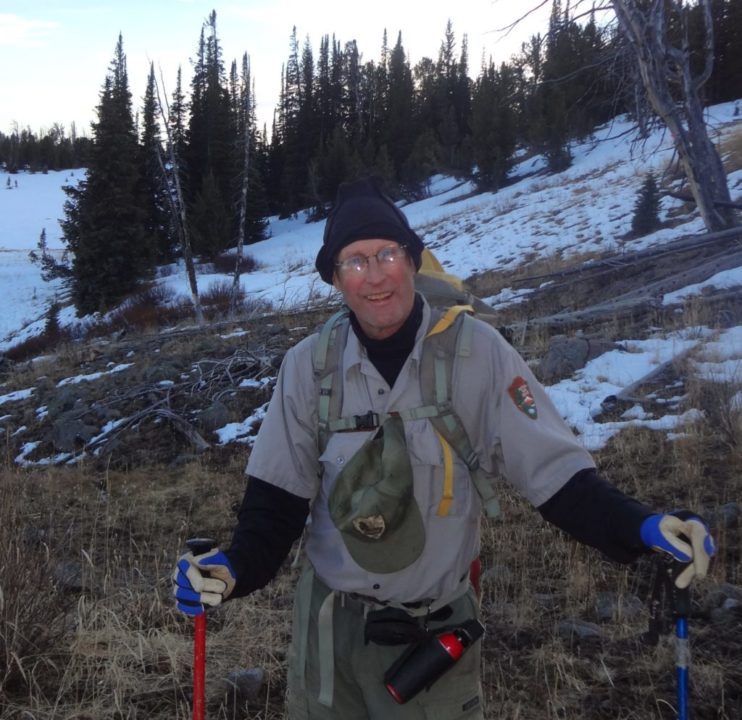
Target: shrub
225, 264
37, 345
218, 298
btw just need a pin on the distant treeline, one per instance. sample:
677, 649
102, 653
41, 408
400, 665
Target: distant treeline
337, 114
54, 150
203, 169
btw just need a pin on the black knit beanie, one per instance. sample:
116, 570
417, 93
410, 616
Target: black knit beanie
362, 211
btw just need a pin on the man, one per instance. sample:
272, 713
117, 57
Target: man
393, 513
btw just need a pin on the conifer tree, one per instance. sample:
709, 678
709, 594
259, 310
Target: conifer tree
211, 164
646, 209
354, 97
452, 101
289, 130
103, 226
494, 126
400, 136
554, 140
51, 268
177, 119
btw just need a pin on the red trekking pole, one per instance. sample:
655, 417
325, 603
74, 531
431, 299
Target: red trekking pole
199, 546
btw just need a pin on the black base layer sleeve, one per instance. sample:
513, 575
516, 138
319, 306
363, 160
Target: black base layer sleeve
270, 519
598, 514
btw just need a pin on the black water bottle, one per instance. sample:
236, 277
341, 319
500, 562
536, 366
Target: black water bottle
424, 663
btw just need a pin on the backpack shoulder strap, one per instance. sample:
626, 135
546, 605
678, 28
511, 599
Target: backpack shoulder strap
326, 363
450, 338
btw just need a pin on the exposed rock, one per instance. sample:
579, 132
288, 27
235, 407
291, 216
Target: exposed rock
730, 611
63, 400
69, 434
161, 371
566, 355
726, 591
214, 417
105, 413
244, 685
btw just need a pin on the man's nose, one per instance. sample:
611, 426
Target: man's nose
374, 271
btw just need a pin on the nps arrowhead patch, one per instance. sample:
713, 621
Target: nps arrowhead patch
522, 396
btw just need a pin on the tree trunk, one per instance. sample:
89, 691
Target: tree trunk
177, 203
246, 101
664, 69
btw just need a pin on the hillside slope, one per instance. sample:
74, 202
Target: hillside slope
118, 448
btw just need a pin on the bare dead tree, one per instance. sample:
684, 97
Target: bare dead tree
177, 202
673, 91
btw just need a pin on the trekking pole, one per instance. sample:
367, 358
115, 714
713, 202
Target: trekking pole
198, 546
681, 612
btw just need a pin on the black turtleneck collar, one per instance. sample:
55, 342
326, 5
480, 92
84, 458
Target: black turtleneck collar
389, 355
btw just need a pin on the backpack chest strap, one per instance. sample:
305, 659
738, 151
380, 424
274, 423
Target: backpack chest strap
372, 420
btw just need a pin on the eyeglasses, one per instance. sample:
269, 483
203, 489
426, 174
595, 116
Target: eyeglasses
386, 257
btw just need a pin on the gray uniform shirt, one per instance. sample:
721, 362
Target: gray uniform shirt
513, 426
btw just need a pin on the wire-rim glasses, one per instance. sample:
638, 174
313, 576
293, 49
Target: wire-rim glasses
388, 256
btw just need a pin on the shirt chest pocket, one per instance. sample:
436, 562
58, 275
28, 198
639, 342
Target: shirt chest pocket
341, 447
443, 486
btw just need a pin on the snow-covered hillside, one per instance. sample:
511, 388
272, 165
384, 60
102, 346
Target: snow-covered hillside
586, 208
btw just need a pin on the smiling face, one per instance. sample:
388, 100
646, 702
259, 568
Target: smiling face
381, 297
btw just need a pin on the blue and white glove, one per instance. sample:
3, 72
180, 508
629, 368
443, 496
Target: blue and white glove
685, 537
202, 580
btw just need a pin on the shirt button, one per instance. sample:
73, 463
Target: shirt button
340, 460
376, 586
381, 391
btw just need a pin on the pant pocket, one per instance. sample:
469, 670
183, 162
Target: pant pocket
461, 707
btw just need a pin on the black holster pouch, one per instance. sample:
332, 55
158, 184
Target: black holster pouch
392, 626
423, 663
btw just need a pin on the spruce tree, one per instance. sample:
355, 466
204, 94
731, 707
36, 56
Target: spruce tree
400, 135
177, 119
293, 111
211, 173
646, 209
553, 135
452, 102
50, 267
103, 226
494, 126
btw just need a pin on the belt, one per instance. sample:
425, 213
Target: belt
364, 603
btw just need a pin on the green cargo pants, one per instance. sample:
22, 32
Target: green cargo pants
356, 688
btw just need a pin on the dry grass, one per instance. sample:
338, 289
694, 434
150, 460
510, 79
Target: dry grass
731, 151
107, 643
530, 272
88, 629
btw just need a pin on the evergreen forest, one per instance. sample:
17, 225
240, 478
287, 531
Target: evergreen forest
192, 159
